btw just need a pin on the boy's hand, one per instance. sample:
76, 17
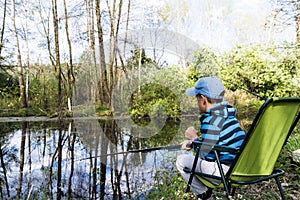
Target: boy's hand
186, 145
191, 133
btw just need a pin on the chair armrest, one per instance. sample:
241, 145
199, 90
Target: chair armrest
216, 147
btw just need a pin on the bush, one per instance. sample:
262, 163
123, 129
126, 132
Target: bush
265, 71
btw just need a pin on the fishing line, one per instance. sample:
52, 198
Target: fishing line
171, 147
250, 92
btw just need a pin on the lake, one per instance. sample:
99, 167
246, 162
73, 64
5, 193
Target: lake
85, 158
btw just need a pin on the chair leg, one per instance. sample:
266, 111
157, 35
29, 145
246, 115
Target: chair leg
280, 188
206, 195
193, 170
188, 187
233, 191
226, 186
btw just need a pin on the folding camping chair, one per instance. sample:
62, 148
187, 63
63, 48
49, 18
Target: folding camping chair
256, 158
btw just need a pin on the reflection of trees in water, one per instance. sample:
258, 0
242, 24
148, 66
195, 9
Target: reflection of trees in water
8, 158
22, 157
71, 144
165, 136
68, 160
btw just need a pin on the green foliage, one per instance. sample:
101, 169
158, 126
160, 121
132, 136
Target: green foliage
291, 168
9, 93
42, 92
156, 99
205, 63
169, 184
156, 92
294, 141
267, 72
42, 95
192, 75
139, 55
9, 89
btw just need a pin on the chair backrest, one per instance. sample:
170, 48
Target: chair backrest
269, 131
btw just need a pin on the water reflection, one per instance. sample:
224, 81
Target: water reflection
79, 158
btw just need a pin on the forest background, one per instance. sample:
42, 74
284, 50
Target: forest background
116, 57
55, 54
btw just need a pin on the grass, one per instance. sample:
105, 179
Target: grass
22, 112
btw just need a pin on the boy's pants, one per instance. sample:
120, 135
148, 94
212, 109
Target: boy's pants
186, 160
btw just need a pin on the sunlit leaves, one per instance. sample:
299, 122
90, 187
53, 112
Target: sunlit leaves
267, 72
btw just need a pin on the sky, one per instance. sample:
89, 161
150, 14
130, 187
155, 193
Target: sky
222, 24
217, 24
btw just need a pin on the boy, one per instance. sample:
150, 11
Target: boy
218, 126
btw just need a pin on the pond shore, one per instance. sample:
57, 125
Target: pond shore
45, 118
36, 119
20, 119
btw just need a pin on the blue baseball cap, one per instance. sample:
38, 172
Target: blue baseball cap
210, 87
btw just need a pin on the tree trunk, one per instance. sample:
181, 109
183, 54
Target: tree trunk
103, 85
114, 30
94, 90
57, 57
71, 77
27, 60
112, 45
46, 29
20, 67
3, 26
298, 23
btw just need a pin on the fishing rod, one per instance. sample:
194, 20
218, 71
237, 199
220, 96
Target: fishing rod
170, 147
250, 92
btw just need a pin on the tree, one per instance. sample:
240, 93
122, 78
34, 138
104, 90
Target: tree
103, 83
57, 55
24, 33
108, 70
17, 47
3, 27
90, 21
298, 23
70, 70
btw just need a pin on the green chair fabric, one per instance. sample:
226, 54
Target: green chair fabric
256, 158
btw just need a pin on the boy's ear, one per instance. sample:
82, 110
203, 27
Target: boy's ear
204, 99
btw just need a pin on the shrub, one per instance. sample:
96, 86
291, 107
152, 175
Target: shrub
265, 71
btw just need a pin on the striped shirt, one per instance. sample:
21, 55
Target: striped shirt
220, 126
